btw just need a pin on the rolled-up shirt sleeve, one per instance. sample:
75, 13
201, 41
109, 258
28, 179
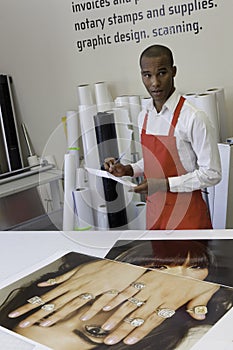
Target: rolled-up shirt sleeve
202, 138
138, 168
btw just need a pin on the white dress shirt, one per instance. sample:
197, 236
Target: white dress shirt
196, 143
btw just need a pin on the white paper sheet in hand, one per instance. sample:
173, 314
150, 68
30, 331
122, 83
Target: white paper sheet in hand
106, 174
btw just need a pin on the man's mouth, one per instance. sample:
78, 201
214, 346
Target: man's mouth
156, 93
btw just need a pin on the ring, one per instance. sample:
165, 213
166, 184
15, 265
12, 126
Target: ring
198, 310
86, 296
36, 300
48, 307
138, 285
165, 313
51, 281
136, 301
112, 291
135, 322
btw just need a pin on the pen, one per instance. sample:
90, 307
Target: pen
120, 157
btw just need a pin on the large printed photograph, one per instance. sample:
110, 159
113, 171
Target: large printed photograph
83, 302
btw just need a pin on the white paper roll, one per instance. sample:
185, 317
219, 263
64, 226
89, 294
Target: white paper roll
69, 187
73, 134
207, 103
190, 96
86, 117
85, 95
122, 101
135, 108
124, 131
72, 129
103, 97
222, 113
84, 219
138, 221
144, 102
102, 218
81, 178
91, 154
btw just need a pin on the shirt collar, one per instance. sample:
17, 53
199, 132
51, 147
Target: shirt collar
170, 104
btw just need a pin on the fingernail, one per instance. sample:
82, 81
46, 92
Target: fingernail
201, 317
131, 340
46, 323
84, 317
24, 324
13, 314
107, 308
108, 326
111, 340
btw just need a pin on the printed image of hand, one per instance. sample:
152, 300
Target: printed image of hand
72, 290
161, 294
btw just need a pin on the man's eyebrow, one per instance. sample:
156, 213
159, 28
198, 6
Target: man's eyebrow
84, 337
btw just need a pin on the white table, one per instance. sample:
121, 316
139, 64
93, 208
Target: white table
21, 250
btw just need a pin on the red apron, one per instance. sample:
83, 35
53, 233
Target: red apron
169, 210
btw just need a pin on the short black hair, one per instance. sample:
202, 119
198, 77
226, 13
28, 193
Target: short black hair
155, 51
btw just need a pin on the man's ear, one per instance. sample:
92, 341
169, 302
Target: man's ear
174, 70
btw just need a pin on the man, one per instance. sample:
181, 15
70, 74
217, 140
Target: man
180, 153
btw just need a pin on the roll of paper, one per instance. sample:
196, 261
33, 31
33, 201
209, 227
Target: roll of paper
222, 113
86, 117
91, 154
207, 103
124, 132
107, 146
140, 221
73, 134
122, 101
81, 178
135, 108
85, 97
69, 187
190, 96
103, 97
144, 102
102, 218
84, 219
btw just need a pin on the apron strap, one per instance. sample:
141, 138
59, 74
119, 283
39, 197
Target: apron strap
176, 115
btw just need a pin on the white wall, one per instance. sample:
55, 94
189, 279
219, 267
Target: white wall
38, 49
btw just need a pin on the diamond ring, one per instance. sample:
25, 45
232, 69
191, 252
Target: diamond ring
165, 313
135, 322
136, 301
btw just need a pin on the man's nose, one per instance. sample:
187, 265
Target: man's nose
154, 81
